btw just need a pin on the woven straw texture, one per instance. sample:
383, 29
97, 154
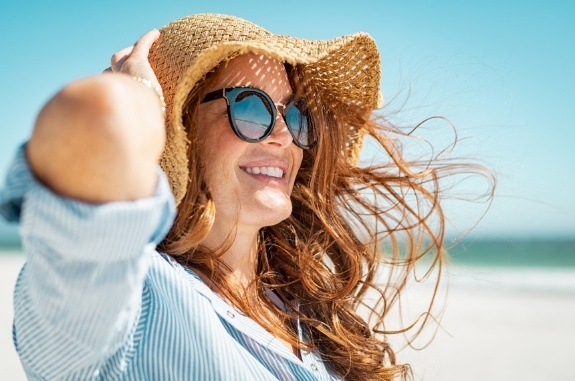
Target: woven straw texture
346, 70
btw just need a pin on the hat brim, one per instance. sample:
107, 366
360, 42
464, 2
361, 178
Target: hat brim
328, 64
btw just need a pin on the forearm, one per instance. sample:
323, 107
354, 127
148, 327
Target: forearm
91, 208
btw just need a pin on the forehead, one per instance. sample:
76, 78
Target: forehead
255, 70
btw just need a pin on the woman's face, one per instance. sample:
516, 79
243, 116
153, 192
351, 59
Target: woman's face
235, 170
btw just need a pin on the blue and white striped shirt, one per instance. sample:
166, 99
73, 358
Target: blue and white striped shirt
95, 300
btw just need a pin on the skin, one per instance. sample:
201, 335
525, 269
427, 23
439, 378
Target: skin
245, 201
99, 139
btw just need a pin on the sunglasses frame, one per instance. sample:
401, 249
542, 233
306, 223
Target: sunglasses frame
228, 93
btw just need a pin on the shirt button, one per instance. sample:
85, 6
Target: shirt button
313, 367
231, 314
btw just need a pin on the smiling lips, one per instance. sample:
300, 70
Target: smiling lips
268, 171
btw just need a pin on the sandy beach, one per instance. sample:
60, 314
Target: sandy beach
498, 324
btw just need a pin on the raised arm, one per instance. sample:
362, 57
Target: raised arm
91, 214
99, 139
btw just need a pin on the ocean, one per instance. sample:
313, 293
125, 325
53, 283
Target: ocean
523, 253
543, 265
511, 253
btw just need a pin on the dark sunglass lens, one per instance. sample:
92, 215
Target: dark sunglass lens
252, 114
299, 124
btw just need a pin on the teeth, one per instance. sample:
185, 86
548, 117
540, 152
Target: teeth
268, 171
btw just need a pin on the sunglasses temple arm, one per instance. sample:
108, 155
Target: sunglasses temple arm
213, 95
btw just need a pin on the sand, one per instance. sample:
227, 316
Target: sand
497, 325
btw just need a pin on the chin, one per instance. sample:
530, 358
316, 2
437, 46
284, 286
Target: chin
270, 206
276, 216
271, 214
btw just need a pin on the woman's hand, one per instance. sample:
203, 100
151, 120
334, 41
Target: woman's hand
133, 60
99, 139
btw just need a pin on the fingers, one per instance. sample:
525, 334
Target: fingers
143, 45
119, 58
133, 60
138, 52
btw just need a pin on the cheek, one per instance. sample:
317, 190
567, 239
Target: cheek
210, 151
297, 159
220, 154
216, 139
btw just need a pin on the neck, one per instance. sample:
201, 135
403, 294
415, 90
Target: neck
240, 245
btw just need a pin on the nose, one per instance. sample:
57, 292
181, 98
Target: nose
280, 135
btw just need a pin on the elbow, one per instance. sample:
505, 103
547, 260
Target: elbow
96, 131
86, 111
93, 106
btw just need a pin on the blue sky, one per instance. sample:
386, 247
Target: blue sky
500, 71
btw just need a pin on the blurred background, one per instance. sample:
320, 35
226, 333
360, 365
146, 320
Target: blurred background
501, 72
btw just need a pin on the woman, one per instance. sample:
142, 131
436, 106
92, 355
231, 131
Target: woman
277, 236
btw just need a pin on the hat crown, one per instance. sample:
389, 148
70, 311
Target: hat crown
197, 33
206, 30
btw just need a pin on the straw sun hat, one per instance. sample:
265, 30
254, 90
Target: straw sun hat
346, 70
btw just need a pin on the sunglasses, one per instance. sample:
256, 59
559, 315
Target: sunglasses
252, 114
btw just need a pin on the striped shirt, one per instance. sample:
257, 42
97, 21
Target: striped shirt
95, 300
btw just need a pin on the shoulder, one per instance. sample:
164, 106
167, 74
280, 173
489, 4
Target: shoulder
170, 281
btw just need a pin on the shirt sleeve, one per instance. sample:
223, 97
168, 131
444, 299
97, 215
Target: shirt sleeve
78, 297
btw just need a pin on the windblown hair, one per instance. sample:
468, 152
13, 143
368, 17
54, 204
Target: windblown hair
348, 223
